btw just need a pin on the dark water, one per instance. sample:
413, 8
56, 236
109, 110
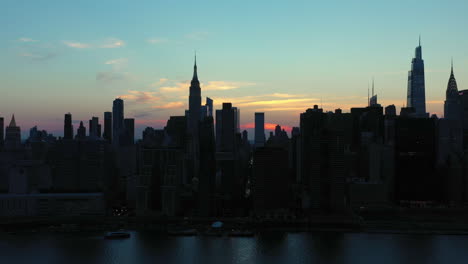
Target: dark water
268, 248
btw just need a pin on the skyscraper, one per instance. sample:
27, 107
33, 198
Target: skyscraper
226, 123
194, 100
117, 121
12, 135
68, 127
1, 131
416, 97
259, 129
129, 125
209, 106
93, 126
452, 104
81, 132
108, 126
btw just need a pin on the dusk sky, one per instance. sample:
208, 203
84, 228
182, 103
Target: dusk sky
277, 57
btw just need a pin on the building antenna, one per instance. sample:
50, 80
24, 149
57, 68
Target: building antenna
368, 100
372, 86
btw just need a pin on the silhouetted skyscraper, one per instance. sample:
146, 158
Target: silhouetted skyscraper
209, 106
452, 104
416, 97
226, 123
108, 126
81, 132
117, 121
2, 131
390, 110
93, 127
68, 127
259, 129
373, 99
129, 125
194, 100
12, 135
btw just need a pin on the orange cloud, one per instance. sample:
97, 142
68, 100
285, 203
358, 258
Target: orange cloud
140, 96
170, 105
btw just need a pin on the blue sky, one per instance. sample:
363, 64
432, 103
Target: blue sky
279, 57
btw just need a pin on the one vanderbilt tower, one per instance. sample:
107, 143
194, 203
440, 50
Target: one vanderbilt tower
416, 86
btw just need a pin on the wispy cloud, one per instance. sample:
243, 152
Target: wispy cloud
27, 40
141, 96
209, 86
110, 76
158, 40
117, 72
111, 43
224, 85
77, 45
37, 56
170, 105
108, 43
199, 35
117, 64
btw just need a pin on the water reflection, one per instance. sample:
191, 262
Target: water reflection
271, 248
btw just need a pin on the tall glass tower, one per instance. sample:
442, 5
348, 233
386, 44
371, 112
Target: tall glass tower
416, 97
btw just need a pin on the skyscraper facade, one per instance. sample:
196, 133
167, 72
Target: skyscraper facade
68, 127
452, 104
129, 124
108, 126
416, 97
81, 131
1, 131
194, 100
259, 129
117, 121
93, 126
12, 135
209, 106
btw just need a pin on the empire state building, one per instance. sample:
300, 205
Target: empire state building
416, 97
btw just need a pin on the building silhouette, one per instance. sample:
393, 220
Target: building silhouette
81, 132
322, 164
2, 131
129, 134
12, 135
452, 104
94, 127
117, 121
107, 126
68, 127
194, 99
416, 95
259, 129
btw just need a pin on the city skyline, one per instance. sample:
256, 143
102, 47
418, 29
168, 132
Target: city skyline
150, 69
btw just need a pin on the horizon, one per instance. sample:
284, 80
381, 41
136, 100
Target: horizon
277, 68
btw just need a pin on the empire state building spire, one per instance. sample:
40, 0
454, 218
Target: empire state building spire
194, 98
195, 75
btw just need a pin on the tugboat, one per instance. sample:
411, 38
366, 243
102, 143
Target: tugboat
117, 235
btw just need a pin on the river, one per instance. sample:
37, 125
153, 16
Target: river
271, 248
